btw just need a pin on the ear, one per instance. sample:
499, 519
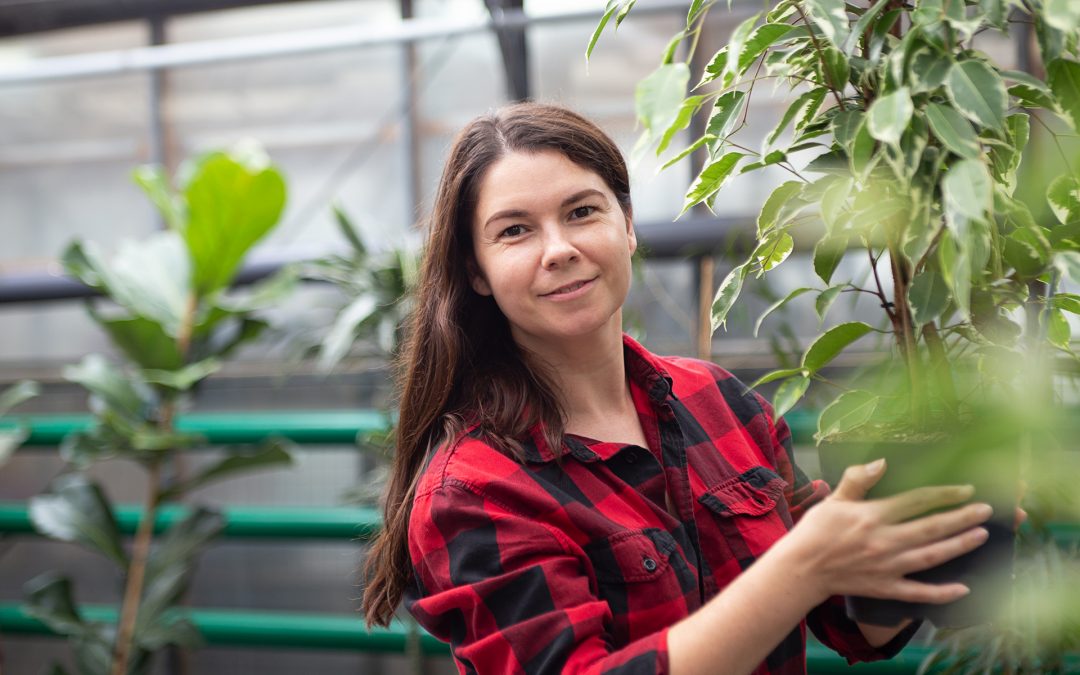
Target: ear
631, 236
476, 278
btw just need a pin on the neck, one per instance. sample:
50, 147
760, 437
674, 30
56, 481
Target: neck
589, 373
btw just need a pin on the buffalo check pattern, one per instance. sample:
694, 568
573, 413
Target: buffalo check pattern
575, 561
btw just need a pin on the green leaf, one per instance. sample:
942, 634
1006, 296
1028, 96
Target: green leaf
827, 255
1063, 15
804, 106
825, 299
929, 69
888, 116
150, 278
76, 510
271, 453
773, 249
339, 339
776, 375
777, 305
621, 16
119, 392
954, 132
955, 265
18, 393
978, 93
143, 341
711, 179
1068, 262
10, 440
659, 96
862, 25
968, 188
825, 348
233, 200
716, 67
696, 145
696, 7
155, 184
834, 199
928, 296
350, 231
725, 114
1069, 302
835, 66
1063, 76
1064, 197
612, 7
788, 394
849, 411
50, 600
1058, 331
182, 379
727, 293
830, 16
771, 209
735, 47
682, 120
1023, 257
763, 37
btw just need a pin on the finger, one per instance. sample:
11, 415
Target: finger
910, 590
1021, 518
939, 526
914, 502
858, 479
940, 552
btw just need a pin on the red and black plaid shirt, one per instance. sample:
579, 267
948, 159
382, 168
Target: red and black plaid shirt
577, 566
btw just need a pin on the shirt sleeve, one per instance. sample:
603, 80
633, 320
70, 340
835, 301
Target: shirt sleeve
510, 594
828, 621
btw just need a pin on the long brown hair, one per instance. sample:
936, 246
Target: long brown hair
459, 364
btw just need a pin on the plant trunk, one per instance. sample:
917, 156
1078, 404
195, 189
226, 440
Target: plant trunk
136, 574
906, 339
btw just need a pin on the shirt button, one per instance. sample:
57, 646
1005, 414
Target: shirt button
649, 564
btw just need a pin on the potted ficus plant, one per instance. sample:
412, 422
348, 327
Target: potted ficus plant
903, 141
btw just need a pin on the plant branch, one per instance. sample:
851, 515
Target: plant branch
885, 304
821, 56
929, 249
136, 574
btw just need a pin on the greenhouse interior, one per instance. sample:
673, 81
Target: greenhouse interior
216, 214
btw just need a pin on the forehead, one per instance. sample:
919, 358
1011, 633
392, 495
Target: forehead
529, 180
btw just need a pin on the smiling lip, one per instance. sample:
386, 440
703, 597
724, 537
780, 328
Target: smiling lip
571, 290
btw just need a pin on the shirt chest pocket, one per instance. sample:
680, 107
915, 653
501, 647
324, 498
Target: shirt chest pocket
642, 577
750, 506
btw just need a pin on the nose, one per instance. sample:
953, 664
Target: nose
559, 250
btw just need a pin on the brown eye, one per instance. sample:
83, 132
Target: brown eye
512, 231
583, 211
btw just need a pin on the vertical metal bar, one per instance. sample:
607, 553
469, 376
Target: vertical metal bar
411, 122
705, 265
158, 152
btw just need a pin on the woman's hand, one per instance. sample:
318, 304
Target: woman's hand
848, 545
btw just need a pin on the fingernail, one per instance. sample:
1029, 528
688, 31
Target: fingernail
984, 510
875, 467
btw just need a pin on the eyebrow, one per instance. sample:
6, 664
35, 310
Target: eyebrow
521, 213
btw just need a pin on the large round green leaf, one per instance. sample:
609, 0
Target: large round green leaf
889, 116
232, 203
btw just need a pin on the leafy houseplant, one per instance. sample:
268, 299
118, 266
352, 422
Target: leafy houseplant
174, 322
904, 144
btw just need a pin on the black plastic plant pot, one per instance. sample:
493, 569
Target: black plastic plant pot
992, 467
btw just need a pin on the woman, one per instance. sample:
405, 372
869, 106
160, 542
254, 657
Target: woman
562, 500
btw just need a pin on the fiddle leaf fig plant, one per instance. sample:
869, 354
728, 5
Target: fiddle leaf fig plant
903, 142
174, 321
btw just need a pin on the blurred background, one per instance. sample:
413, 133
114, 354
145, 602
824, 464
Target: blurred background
356, 101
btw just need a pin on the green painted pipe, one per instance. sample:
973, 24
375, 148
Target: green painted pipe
328, 427
241, 522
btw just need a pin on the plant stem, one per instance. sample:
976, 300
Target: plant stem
881, 291
821, 56
136, 573
906, 337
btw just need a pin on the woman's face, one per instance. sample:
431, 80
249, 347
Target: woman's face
553, 247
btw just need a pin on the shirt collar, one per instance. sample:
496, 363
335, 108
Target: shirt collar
643, 368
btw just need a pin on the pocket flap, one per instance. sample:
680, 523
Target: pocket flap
632, 556
753, 493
